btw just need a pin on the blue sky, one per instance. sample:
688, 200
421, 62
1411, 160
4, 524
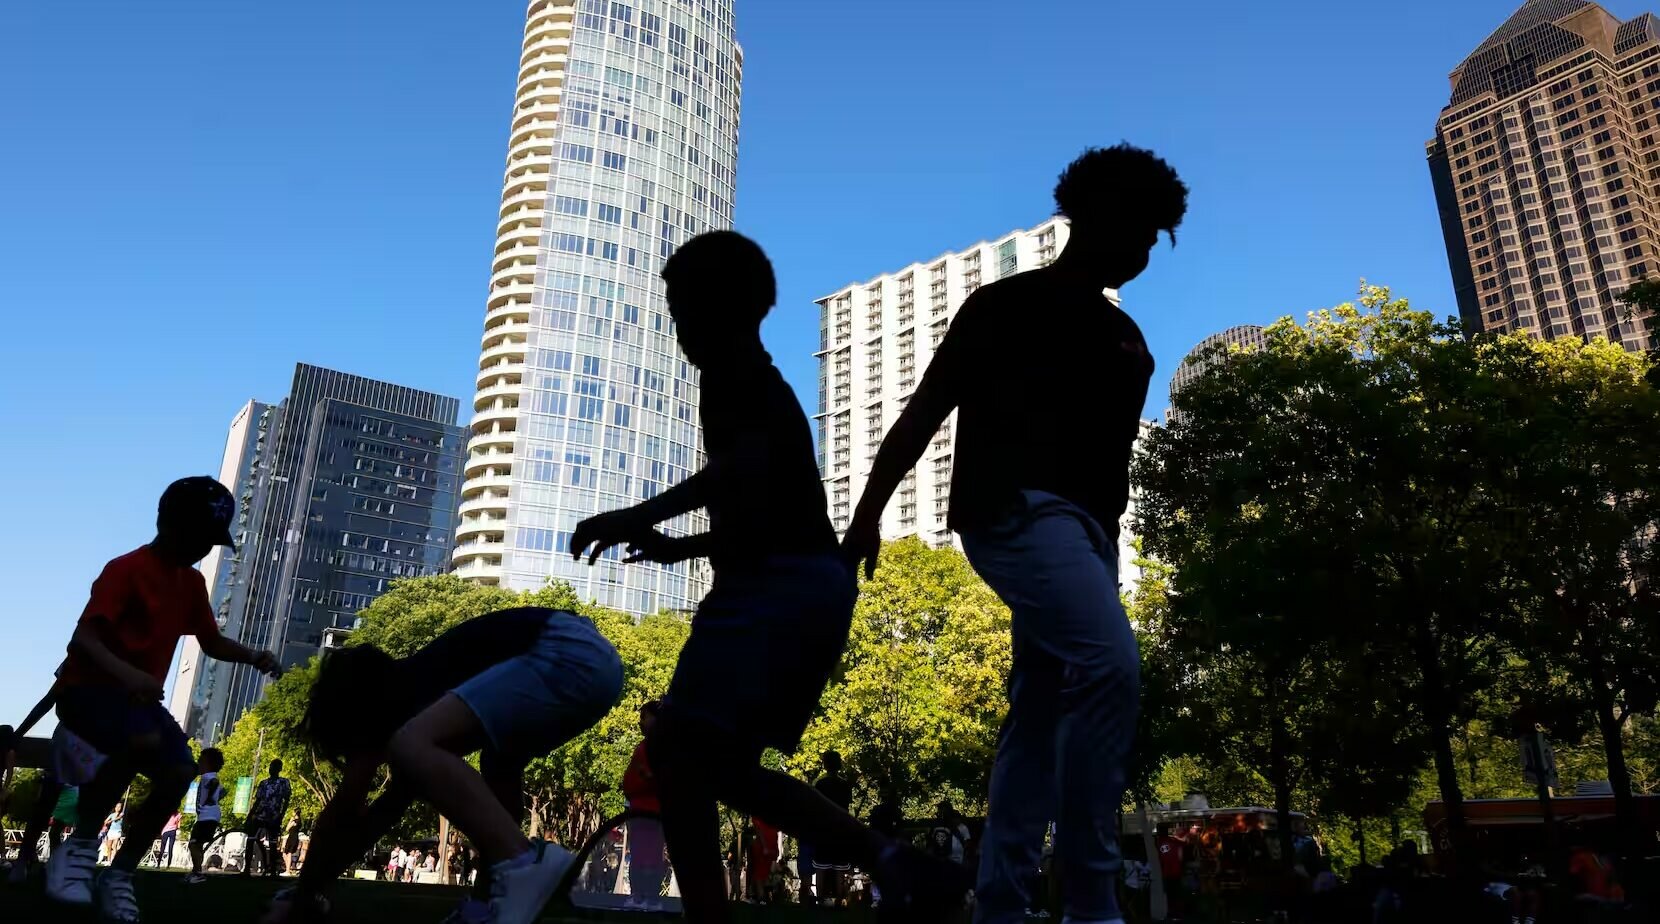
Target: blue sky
196, 194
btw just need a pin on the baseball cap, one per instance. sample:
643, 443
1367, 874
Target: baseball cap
199, 505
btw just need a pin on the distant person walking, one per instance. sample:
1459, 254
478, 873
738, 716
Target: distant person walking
1039, 520
169, 837
264, 825
208, 793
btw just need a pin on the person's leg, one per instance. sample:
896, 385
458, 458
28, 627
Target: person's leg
40, 820
428, 752
691, 830
170, 777
1021, 803
1057, 572
99, 796
273, 851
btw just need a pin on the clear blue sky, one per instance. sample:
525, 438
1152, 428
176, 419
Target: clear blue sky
196, 194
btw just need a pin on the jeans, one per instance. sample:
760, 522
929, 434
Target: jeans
1074, 692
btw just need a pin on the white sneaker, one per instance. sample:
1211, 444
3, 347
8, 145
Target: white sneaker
518, 892
69, 872
116, 901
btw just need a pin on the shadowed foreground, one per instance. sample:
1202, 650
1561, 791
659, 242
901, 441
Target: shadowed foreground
233, 900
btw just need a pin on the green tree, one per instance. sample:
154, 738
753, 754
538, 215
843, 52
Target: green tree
915, 708
1344, 495
1593, 512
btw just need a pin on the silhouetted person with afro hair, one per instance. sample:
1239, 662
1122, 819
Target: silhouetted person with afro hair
1048, 378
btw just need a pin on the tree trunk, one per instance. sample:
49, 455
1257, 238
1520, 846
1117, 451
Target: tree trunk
1360, 839
1279, 769
1619, 776
1433, 698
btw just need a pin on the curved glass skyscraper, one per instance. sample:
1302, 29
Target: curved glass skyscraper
623, 145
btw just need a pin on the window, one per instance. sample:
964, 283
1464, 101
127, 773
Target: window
569, 205
581, 153
611, 214
613, 160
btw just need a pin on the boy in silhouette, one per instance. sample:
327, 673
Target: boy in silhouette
1037, 503
110, 689
781, 604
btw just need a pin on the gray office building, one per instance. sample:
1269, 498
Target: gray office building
347, 485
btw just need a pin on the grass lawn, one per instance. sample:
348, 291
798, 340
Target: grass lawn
229, 899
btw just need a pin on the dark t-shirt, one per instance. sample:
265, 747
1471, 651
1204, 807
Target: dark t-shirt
1051, 380
835, 788
459, 655
778, 508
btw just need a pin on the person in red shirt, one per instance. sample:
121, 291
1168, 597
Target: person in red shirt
649, 862
109, 694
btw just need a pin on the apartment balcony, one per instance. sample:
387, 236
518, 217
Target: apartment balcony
517, 256
490, 394
485, 504
508, 293
536, 146
514, 371
510, 330
509, 312
525, 196
500, 439
495, 416
486, 482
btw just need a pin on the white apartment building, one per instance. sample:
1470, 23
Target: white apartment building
875, 339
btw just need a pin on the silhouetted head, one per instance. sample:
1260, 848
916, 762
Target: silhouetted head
1117, 200
355, 674
194, 515
212, 760
648, 716
832, 761
720, 286
276, 768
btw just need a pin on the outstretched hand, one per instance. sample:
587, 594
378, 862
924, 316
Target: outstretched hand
656, 547
607, 530
861, 545
266, 663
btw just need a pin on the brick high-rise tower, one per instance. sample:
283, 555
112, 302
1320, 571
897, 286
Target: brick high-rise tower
1546, 170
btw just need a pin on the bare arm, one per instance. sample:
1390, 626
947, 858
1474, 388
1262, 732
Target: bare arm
88, 642
688, 495
41, 708
347, 826
220, 648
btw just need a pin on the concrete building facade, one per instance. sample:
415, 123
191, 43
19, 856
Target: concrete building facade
1545, 170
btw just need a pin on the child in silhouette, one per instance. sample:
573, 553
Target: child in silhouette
110, 689
781, 603
1038, 516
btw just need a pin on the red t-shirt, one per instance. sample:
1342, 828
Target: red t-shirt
639, 786
142, 607
1170, 857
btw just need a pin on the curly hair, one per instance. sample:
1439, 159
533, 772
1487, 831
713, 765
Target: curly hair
1121, 182
729, 263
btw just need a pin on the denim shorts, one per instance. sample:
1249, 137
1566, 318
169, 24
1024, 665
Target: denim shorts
764, 645
111, 720
535, 702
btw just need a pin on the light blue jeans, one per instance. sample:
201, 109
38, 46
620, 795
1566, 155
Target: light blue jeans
1074, 693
